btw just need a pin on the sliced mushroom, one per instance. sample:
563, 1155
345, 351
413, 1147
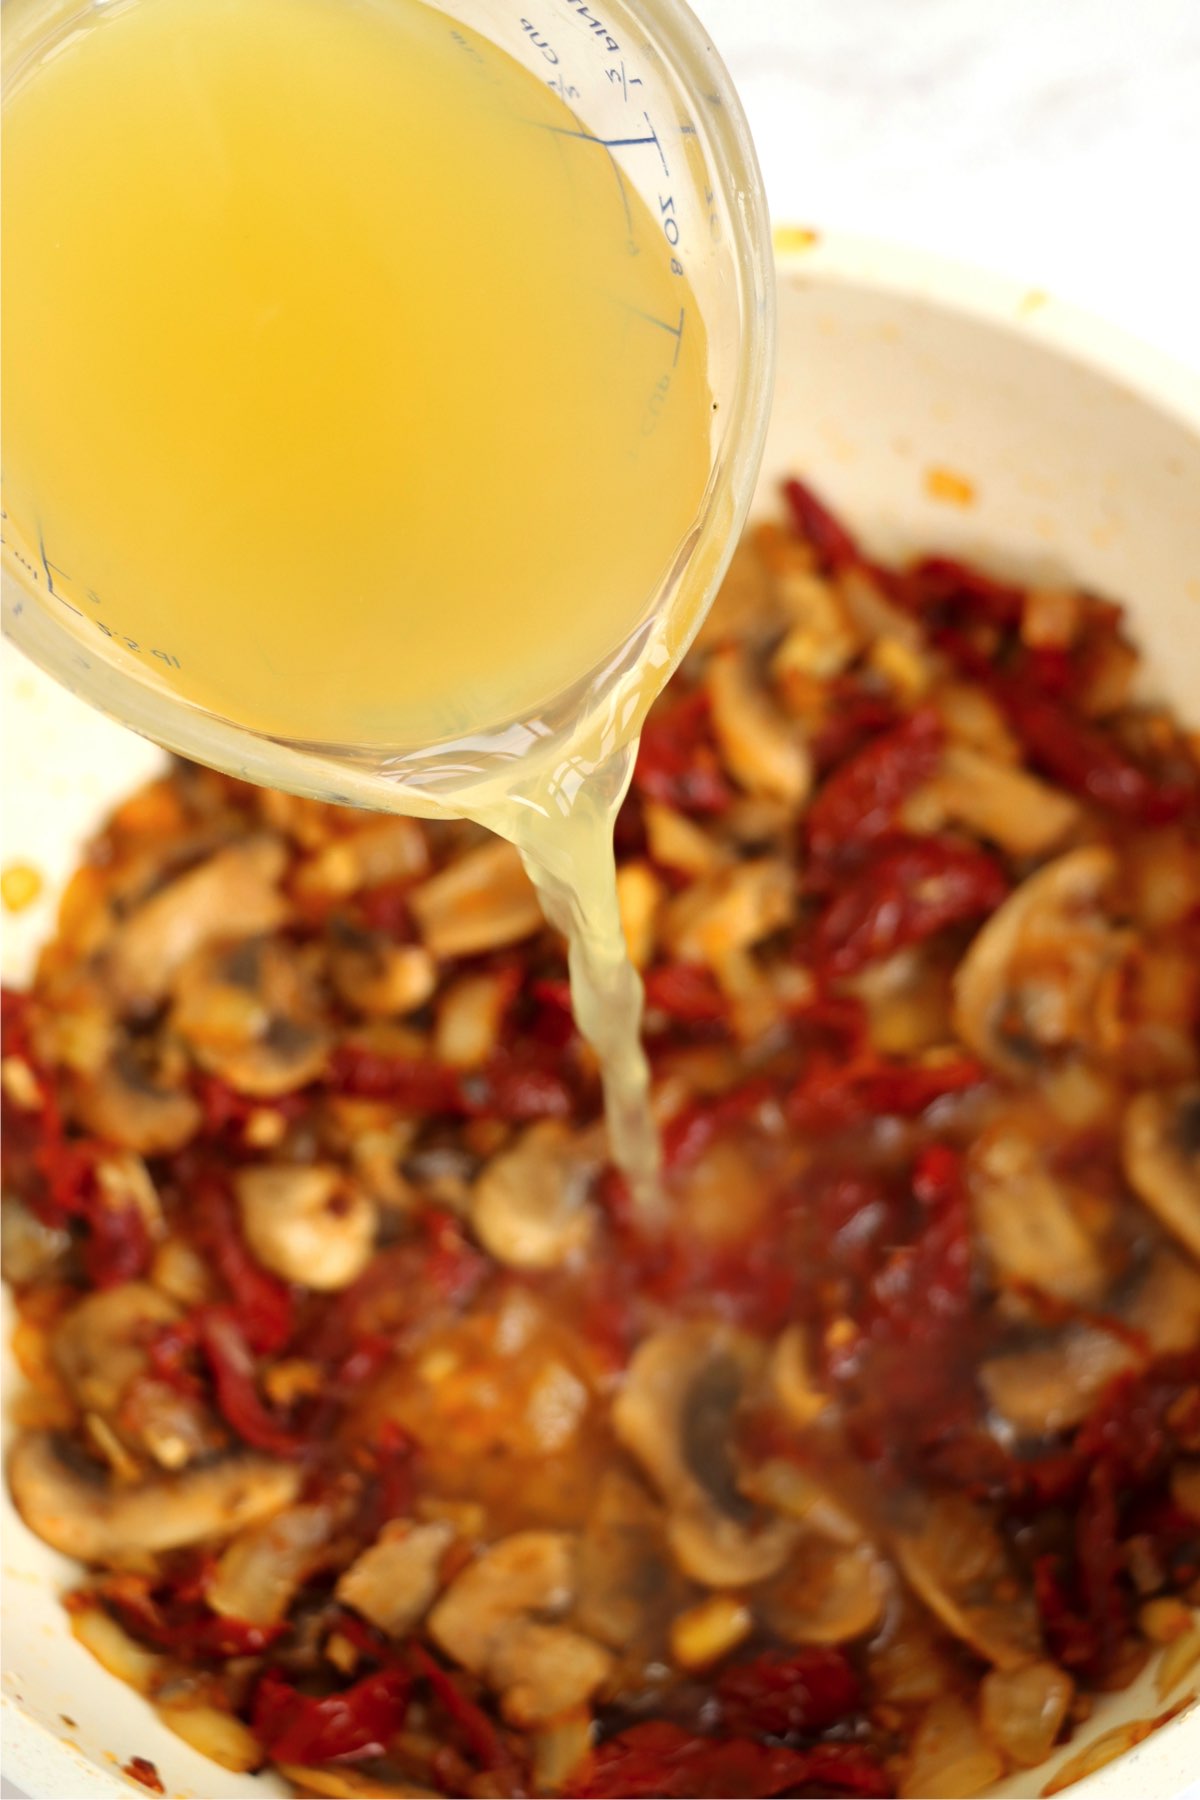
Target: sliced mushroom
395, 1581
481, 901
732, 910
678, 843
1026, 1222
1027, 987
258, 1574
1022, 1710
822, 637
470, 1015
247, 1016
75, 1510
826, 1594
640, 896
492, 1620
953, 1558
792, 1380
994, 800
762, 749
1164, 1306
377, 977
675, 1414
100, 1346
1048, 1389
375, 851
124, 1105
306, 1222
530, 1206
29, 1248
232, 895
628, 1590
1160, 1148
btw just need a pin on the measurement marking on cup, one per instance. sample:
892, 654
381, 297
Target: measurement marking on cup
675, 331
617, 143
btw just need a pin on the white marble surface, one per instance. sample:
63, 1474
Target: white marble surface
1057, 141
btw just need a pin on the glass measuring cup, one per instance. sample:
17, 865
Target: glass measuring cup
649, 94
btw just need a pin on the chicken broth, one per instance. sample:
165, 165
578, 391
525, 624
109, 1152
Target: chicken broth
364, 1388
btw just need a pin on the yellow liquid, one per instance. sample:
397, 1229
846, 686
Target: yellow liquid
349, 385
340, 369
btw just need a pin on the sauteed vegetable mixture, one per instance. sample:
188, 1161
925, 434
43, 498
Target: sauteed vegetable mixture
399, 1456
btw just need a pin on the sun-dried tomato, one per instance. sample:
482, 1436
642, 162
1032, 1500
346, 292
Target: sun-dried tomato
927, 1283
830, 1096
348, 1726
691, 1131
516, 1087
238, 1399
859, 802
264, 1304
677, 762
1079, 755
1086, 761
853, 716
817, 525
453, 1267
660, 1761
227, 1113
687, 993
385, 907
788, 1692
188, 1629
477, 1733
940, 588
118, 1246
907, 894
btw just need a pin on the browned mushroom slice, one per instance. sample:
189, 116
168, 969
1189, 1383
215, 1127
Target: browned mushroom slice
76, 1510
730, 911
247, 1016
126, 1106
496, 1620
306, 1222
952, 1557
1160, 1147
100, 1346
258, 1575
1022, 1710
377, 977
991, 798
762, 748
375, 851
826, 1594
395, 1581
1026, 1222
481, 901
530, 1205
1047, 1389
628, 1589
233, 894
1027, 988
675, 1414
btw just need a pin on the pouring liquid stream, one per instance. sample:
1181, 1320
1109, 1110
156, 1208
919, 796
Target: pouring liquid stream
349, 384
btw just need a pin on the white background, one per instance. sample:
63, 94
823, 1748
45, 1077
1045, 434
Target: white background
1057, 141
